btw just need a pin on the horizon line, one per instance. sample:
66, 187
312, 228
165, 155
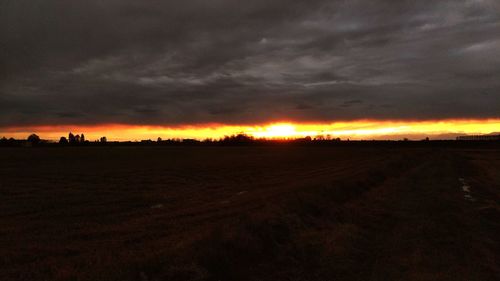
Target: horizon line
355, 130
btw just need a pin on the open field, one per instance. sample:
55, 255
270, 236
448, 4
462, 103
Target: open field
249, 213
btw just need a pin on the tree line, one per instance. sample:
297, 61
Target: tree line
34, 139
232, 140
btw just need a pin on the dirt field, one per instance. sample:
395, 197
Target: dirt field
249, 213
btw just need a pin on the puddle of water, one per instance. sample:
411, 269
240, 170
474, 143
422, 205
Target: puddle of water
157, 206
241, 192
470, 198
466, 190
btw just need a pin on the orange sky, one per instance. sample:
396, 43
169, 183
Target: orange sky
363, 129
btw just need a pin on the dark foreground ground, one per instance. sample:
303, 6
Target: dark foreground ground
249, 213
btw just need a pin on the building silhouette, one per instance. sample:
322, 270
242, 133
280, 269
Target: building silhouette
479, 138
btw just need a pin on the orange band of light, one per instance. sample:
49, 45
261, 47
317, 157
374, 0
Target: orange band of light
363, 129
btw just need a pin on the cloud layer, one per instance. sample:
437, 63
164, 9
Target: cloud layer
238, 62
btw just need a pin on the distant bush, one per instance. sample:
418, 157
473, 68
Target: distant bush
238, 139
33, 139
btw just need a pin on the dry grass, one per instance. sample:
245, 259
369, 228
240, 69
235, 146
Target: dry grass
248, 213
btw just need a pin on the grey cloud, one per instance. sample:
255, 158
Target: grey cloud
350, 103
171, 62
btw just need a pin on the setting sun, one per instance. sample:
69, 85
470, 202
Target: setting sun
354, 130
274, 131
249, 140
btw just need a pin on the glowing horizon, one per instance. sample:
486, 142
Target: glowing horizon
355, 130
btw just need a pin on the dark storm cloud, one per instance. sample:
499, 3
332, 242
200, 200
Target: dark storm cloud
179, 62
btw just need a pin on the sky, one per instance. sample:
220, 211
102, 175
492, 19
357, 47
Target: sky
244, 63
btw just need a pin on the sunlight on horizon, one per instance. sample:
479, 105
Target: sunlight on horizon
363, 129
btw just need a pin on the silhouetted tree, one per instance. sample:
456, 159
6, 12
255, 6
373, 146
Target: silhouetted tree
63, 140
34, 139
238, 139
77, 139
71, 138
208, 140
82, 138
159, 139
104, 139
6, 142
